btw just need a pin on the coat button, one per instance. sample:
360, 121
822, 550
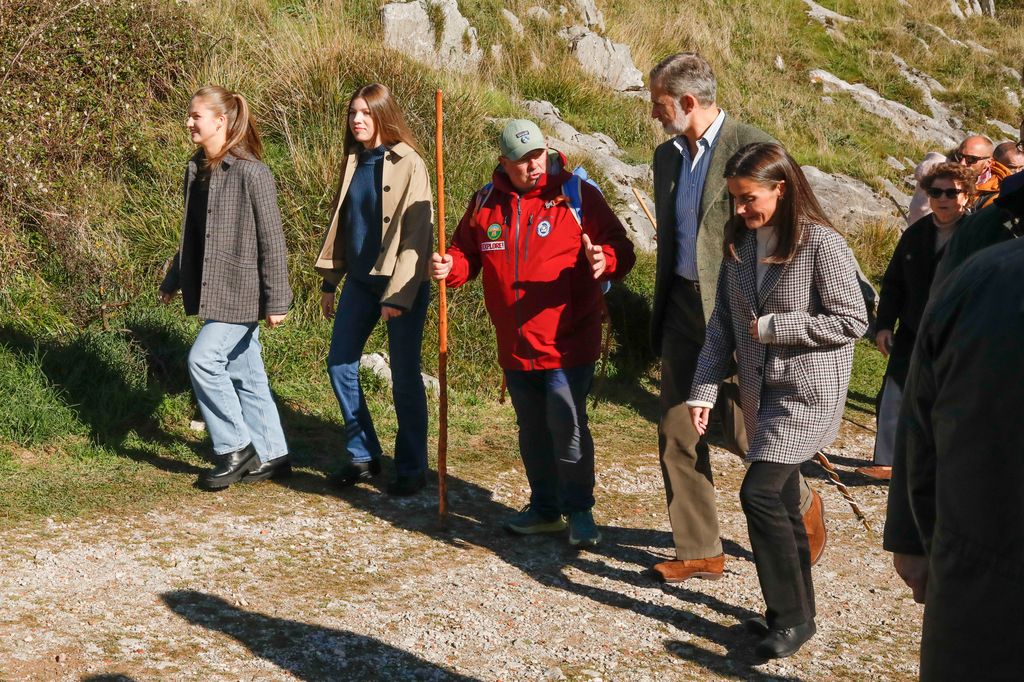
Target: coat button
387, 219
387, 188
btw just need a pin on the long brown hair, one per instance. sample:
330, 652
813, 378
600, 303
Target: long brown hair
768, 164
243, 137
387, 117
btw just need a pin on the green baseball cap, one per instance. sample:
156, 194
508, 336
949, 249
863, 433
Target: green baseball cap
519, 138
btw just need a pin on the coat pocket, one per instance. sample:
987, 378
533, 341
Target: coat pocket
786, 369
236, 261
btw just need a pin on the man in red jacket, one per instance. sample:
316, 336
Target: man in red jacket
545, 242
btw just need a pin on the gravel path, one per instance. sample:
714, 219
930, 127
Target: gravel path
297, 582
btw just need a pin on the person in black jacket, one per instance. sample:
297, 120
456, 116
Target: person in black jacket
905, 288
960, 471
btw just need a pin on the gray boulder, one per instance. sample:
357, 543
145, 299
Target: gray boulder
407, 28
591, 15
379, 365
513, 21
848, 202
610, 62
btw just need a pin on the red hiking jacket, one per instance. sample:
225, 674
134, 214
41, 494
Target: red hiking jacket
541, 296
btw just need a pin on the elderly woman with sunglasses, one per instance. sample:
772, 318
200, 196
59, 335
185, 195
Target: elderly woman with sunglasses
905, 286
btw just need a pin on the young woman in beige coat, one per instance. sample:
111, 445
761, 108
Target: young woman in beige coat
379, 239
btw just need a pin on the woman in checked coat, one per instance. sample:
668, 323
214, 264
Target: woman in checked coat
232, 271
789, 306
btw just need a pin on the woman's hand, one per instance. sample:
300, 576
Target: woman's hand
274, 320
165, 297
388, 312
883, 339
327, 304
754, 334
699, 416
440, 267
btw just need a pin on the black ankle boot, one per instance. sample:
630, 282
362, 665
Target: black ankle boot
279, 467
230, 468
783, 642
355, 472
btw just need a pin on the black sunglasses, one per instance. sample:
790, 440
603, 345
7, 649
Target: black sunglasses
935, 192
968, 159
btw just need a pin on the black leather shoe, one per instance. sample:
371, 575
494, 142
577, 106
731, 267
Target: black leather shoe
355, 472
279, 467
756, 626
783, 642
230, 468
403, 486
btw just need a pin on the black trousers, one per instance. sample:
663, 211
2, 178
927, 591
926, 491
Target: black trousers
770, 496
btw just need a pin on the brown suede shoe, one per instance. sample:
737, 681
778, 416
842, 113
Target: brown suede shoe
879, 473
814, 523
677, 571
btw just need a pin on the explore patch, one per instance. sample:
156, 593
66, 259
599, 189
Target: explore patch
544, 228
492, 246
494, 231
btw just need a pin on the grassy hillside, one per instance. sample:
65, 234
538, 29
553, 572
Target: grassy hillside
94, 98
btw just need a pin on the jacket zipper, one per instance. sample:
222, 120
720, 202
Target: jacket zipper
515, 281
526, 239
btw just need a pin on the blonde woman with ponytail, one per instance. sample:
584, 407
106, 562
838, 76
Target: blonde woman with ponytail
231, 268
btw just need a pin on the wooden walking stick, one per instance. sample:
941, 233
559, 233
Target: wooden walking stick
442, 326
833, 475
643, 205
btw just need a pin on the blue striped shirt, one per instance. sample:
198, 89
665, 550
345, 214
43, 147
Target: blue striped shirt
689, 190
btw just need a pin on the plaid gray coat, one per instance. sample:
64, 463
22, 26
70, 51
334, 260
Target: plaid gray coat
792, 391
245, 260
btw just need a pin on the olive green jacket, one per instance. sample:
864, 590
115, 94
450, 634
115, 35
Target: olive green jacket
715, 210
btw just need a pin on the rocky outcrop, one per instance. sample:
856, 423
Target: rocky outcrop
513, 22
961, 9
407, 28
604, 154
848, 202
900, 115
609, 62
379, 365
591, 15
927, 86
538, 13
825, 16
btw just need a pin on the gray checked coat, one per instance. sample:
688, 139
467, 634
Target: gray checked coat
245, 259
792, 391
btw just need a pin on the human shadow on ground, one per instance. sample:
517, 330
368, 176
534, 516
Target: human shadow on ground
103, 378
475, 519
108, 677
309, 652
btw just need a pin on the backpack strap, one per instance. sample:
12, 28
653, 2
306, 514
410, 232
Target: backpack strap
482, 195
573, 191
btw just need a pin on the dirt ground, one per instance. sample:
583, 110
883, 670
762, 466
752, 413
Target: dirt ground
297, 581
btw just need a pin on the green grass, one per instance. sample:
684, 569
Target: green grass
92, 201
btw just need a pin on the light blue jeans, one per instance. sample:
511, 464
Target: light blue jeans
230, 381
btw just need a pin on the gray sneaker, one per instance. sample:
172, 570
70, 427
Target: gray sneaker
528, 522
583, 531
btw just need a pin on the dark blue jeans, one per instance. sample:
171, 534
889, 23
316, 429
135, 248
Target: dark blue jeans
357, 313
554, 438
